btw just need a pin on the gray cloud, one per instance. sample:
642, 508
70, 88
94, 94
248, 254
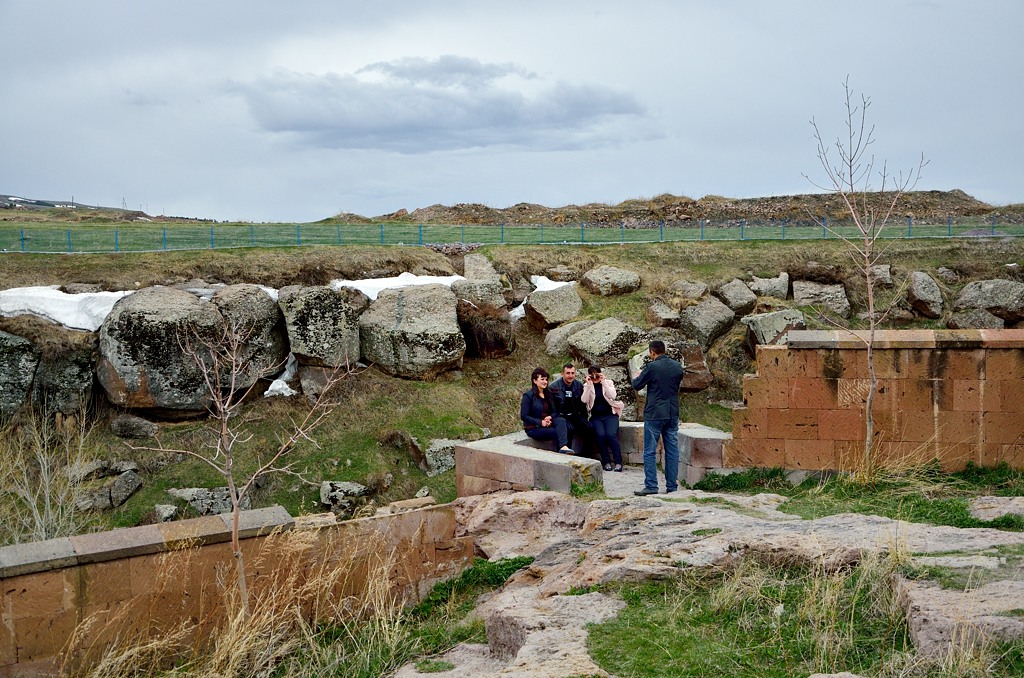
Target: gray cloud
448, 70
448, 103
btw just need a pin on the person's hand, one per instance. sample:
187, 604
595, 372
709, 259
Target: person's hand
588, 378
545, 422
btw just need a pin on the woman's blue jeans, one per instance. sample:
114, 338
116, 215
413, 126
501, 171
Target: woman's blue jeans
558, 431
606, 429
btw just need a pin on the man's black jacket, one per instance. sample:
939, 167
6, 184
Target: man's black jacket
567, 398
661, 377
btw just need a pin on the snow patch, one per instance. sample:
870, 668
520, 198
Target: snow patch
84, 311
540, 284
371, 287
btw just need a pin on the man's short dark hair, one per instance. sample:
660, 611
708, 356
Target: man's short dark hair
567, 365
657, 347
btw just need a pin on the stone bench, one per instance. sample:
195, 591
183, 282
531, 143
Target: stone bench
517, 462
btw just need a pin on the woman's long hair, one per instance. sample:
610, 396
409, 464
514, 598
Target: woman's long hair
539, 372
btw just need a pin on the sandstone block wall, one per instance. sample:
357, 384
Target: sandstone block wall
957, 396
69, 598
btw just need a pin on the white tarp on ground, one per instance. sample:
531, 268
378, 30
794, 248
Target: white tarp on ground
540, 284
371, 287
84, 311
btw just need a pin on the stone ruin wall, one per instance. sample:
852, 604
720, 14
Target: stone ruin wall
957, 396
144, 581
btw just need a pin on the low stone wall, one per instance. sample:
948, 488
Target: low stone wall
957, 396
67, 599
517, 462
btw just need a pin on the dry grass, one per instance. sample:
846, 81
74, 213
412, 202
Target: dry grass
271, 267
52, 340
296, 593
38, 493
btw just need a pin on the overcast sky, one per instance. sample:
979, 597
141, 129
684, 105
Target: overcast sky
270, 111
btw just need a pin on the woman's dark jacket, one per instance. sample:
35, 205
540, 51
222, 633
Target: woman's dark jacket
531, 410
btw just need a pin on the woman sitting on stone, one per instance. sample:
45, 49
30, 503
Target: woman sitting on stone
541, 420
599, 397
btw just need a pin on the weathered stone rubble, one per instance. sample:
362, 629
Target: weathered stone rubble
575, 544
142, 363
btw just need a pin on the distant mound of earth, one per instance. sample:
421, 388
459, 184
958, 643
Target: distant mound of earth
926, 207
923, 206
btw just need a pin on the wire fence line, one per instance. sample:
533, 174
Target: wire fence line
155, 238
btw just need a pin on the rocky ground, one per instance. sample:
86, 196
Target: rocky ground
535, 629
923, 206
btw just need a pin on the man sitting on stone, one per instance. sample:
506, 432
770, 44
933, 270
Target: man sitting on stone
567, 391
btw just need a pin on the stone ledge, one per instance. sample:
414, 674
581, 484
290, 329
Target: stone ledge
96, 547
514, 460
909, 339
36, 556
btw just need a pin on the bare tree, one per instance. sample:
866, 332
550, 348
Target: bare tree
851, 173
224, 364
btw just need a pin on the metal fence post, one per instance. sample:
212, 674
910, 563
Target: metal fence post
421, 234
211, 238
993, 224
623, 229
949, 226
339, 234
70, 249
542, 233
910, 227
824, 228
117, 246
661, 231
701, 229
252, 235
784, 221
165, 239
583, 238
298, 235
23, 240
382, 234
743, 227
503, 233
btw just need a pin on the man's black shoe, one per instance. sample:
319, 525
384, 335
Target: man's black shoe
644, 492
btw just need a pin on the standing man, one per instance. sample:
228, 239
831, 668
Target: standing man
661, 376
568, 391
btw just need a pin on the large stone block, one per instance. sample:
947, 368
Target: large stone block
609, 281
706, 320
830, 297
323, 324
546, 309
413, 332
18, 360
737, 296
607, 342
151, 345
